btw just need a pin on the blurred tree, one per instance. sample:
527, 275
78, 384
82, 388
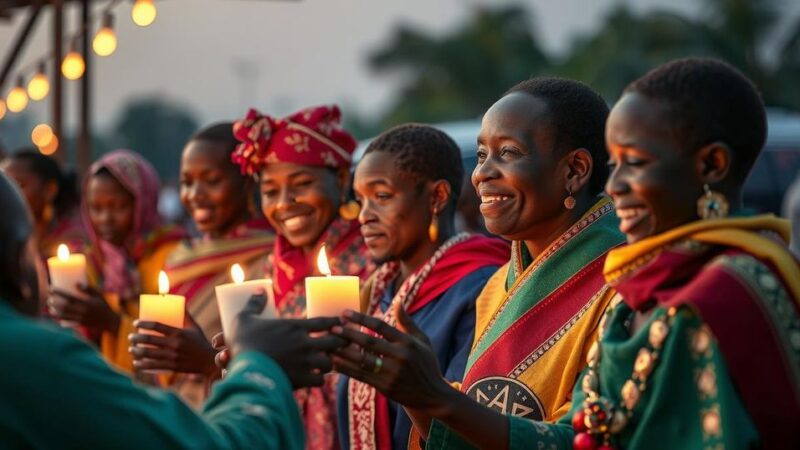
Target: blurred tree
158, 130
460, 74
741, 32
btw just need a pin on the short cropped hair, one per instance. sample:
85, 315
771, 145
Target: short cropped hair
221, 133
578, 119
708, 100
423, 152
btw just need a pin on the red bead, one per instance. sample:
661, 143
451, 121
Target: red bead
584, 441
578, 423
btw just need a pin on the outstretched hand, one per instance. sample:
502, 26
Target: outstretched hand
399, 362
184, 350
304, 358
91, 310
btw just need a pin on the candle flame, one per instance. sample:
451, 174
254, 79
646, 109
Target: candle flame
322, 262
163, 283
237, 274
63, 252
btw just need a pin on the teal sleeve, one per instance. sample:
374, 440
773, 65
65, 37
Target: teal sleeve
523, 434
59, 393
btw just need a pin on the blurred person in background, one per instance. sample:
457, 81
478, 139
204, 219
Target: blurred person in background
52, 197
129, 245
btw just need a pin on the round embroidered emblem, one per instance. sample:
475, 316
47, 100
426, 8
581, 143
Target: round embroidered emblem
507, 396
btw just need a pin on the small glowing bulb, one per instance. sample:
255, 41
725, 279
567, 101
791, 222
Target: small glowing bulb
322, 262
163, 283
63, 252
39, 86
50, 148
73, 66
42, 135
143, 12
17, 98
237, 274
2, 108
105, 41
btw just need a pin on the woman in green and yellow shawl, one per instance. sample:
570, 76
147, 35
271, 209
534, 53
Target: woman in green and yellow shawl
540, 170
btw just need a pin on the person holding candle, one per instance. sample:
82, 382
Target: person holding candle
540, 172
129, 245
52, 197
219, 198
303, 167
61, 394
408, 184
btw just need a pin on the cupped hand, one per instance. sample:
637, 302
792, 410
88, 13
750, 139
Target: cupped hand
304, 358
398, 362
91, 311
184, 350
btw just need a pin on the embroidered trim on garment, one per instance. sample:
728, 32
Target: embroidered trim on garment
574, 231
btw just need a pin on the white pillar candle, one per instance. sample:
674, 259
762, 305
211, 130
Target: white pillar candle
67, 271
329, 295
232, 298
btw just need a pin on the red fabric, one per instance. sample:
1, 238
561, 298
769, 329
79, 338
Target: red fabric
310, 137
741, 325
475, 253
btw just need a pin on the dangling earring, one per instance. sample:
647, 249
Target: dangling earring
712, 204
433, 228
48, 212
349, 210
569, 202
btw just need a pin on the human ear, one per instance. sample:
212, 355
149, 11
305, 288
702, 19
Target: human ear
713, 162
441, 192
578, 168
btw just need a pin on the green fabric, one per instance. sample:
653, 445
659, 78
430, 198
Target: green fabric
669, 415
57, 392
578, 252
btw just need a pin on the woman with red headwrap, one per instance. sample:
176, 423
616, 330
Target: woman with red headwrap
303, 165
129, 244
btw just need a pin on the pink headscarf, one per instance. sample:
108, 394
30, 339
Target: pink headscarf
140, 179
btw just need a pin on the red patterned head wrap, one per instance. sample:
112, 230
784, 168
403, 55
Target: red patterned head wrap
310, 137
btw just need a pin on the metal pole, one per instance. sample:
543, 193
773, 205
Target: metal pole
19, 43
58, 80
84, 149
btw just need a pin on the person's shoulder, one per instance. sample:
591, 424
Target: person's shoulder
30, 343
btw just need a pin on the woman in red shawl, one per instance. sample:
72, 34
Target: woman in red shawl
303, 165
129, 244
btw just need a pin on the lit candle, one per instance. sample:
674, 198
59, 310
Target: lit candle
162, 307
329, 296
232, 297
66, 272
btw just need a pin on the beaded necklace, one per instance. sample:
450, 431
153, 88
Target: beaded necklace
599, 417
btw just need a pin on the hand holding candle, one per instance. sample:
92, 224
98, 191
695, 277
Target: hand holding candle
232, 297
330, 295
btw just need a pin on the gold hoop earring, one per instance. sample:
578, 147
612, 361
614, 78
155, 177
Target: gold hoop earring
48, 213
712, 204
569, 202
349, 210
433, 228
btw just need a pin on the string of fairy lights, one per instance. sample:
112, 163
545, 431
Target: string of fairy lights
104, 43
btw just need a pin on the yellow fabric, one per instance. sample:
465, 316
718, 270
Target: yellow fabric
114, 347
739, 233
553, 375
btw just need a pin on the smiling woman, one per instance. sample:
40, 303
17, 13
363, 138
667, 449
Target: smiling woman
303, 167
219, 199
